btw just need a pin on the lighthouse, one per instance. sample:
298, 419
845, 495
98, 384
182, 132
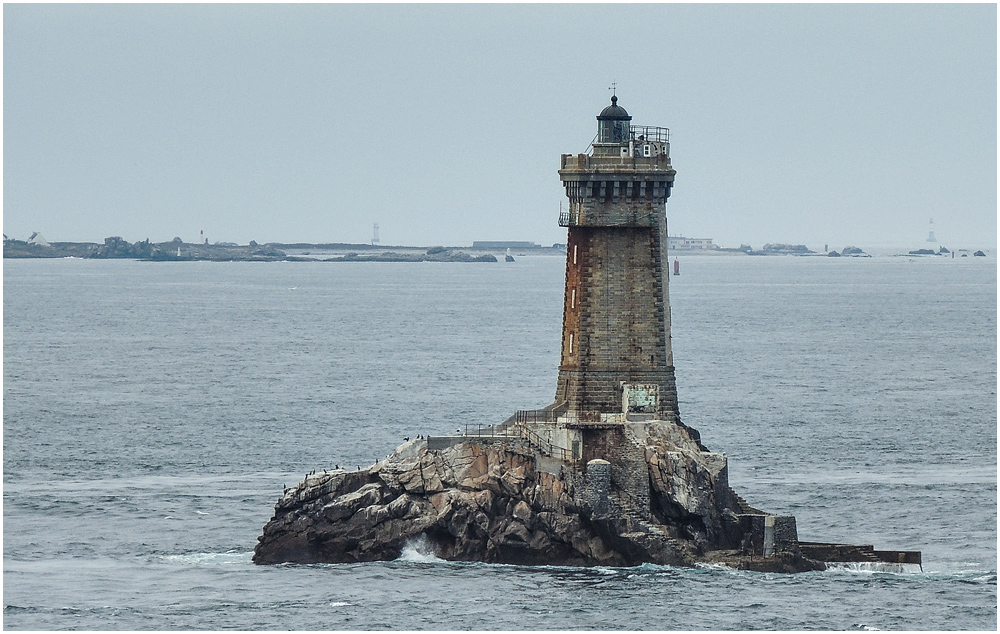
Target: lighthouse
616, 357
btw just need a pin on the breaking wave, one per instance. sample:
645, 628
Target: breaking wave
227, 558
419, 550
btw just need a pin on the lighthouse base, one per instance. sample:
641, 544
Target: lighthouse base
590, 392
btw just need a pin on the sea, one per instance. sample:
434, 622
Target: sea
153, 412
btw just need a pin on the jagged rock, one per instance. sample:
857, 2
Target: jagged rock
266, 251
794, 249
116, 247
492, 500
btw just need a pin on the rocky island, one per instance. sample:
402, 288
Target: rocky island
502, 498
607, 474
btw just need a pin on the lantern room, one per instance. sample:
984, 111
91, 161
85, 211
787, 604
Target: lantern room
613, 124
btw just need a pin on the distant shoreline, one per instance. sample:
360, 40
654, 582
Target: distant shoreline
179, 251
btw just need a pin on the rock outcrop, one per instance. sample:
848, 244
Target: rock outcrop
498, 499
785, 249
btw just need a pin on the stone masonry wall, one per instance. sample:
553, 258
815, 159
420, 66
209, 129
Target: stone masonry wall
629, 473
616, 319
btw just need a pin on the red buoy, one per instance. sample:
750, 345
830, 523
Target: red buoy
677, 267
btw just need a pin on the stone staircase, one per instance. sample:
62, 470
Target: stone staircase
843, 553
745, 508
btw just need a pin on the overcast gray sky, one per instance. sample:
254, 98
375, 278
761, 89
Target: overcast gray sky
839, 124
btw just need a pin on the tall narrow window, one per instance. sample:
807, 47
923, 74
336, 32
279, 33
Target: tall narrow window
571, 343
574, 254
572, 299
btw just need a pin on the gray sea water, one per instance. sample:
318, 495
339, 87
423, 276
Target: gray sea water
152, 413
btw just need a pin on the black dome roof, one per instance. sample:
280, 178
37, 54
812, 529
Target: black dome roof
614, 111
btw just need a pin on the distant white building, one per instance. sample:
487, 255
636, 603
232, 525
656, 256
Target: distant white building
36, 238
680, 243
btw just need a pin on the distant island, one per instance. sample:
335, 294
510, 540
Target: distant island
681, 244
179, 251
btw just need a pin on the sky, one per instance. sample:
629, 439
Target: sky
805, 124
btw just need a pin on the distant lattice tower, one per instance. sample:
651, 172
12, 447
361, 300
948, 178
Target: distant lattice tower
616, 355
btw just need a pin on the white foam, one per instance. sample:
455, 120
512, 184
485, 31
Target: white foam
420, 550
872, 567
227, 558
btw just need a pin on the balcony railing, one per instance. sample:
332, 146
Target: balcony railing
651, 133
639, 133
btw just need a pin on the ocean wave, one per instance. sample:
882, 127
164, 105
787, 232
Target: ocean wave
873, 567
224, 559
420, 550
910, 571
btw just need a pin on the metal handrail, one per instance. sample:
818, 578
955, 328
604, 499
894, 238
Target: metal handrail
516, 426
650, 133
522, 416
490, 430
647, 132
544, 445
522, 432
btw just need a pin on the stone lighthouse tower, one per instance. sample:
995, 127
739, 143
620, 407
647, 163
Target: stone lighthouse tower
616, 356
